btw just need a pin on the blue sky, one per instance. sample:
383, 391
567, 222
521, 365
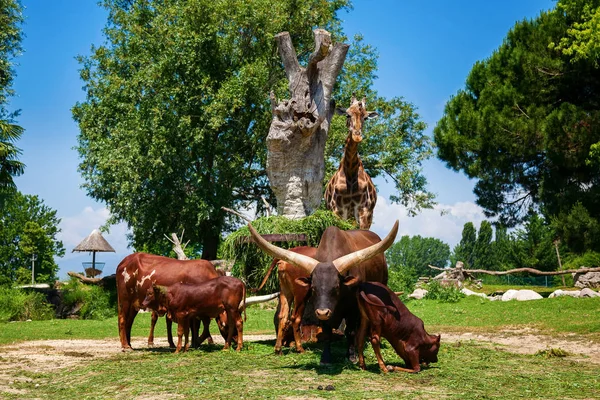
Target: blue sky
426, 50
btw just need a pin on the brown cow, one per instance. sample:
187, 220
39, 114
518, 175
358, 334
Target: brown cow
383, 314
290, 294
343, 259
183, 302
136, 274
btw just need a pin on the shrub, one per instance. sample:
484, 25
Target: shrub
251, 263
444, 294
18, 305
402, 279
95, 302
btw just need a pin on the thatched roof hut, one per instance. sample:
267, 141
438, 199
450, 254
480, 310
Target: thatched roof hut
93, 243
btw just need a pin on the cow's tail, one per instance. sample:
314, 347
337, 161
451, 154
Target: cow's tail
244, 303
264, 281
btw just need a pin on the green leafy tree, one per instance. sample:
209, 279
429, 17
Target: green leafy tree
525, 123
502, 250
533, 245
416, 253
28, 227
582, 39
465, 250
177, 112
578, 230
483, 252
10, 47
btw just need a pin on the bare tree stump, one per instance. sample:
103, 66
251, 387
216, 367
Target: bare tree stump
298, 132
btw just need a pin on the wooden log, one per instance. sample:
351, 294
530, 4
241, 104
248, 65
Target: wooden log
520, 270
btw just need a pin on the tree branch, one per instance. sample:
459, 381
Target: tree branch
518, 270
288, 55
242, 216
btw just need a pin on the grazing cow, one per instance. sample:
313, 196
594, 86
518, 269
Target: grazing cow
137, 272
383, 314
183, 302
290, 293
343, 259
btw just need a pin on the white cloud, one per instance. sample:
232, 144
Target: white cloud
77, 227
444, 222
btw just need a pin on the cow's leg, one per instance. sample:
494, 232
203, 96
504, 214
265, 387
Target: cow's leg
125, 310
326, 355
350, 331
230, 325
411, 359
169, 323
284, 312
186, 331
360, 339
239, 324
375, 342
127, 313
180, 332
205, 332
153, 320
296, 321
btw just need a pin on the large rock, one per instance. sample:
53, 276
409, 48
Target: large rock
559, 293
468, 292
587, 292
418, 294
521, 295
587, 280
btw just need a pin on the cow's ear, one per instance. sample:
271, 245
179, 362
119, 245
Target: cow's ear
303, 281
350, 280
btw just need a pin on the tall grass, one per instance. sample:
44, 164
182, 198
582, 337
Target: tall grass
18, 305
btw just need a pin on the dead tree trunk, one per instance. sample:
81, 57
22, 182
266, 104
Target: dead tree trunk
296, 140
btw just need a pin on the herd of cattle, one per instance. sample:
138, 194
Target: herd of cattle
343, 279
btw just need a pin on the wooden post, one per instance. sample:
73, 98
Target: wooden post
559, 262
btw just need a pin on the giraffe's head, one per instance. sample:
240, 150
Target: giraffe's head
356, 115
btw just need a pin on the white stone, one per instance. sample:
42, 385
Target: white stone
559, 293
521, 295
468, 292
418, 294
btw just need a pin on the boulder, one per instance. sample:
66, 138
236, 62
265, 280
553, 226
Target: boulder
468, 292
559, 293
418, 294
521, 295
587, 292
587, 280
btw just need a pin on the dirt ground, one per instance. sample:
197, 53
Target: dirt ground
48, 355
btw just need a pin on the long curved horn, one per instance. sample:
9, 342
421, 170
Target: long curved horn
258, 299
349, 260
299, 260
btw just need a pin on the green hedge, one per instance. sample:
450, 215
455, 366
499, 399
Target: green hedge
251, 263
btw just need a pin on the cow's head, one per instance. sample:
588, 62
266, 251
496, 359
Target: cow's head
428, 351
326, 279
356, 115
156, 299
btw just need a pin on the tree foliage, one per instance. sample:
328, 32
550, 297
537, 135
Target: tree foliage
27, 227
465, 250
177, 111
525, 123
10, 47
416, 253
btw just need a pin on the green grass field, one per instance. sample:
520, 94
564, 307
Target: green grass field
466, 370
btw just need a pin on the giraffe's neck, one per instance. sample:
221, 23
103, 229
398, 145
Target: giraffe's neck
350, 161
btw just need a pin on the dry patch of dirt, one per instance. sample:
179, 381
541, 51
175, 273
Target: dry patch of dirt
527, 341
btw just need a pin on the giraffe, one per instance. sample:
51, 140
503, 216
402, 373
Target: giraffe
350, 192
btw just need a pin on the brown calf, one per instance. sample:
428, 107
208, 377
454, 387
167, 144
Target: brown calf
183, 302
385, 315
